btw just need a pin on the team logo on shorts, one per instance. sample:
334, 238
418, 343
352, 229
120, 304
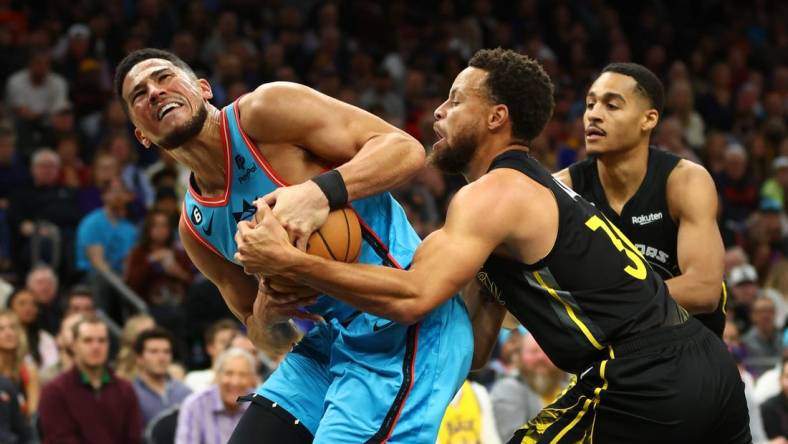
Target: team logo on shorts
196, 216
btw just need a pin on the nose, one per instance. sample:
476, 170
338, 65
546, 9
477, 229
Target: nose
440, 111
592, 114
154, 93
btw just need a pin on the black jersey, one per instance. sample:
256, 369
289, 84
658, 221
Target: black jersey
593, 290
645, 219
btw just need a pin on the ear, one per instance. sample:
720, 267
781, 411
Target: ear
205, 89
650, 120
498, 117
141, 138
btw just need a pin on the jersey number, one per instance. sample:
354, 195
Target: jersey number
638, 271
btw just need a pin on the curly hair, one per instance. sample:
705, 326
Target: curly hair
520, 83
141, 55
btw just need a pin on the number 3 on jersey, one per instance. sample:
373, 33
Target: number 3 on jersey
621, 243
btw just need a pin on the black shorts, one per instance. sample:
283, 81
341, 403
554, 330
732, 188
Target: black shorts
674, 385
264, 421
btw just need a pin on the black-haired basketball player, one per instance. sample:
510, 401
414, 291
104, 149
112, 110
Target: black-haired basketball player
665, 205
646, 371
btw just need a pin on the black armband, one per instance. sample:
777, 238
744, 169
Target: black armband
333, 186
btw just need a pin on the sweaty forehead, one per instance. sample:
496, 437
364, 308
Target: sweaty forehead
143, 70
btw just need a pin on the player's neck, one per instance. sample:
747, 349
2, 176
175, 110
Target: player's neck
487, 152
204, 155
621, 174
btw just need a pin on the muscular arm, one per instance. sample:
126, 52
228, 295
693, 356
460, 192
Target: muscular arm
239, 291
373, 155
480, 218
692, 200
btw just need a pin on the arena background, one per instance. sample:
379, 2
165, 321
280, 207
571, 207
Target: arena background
64, 138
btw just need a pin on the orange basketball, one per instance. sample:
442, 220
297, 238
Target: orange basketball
339, 239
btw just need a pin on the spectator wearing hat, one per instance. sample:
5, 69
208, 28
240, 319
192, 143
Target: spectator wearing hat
743, 290
775, 187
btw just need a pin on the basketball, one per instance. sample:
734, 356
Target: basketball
339, 239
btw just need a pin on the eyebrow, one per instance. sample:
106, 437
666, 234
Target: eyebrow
608, 96
141, 85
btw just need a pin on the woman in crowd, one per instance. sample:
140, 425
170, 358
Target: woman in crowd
15, 364
41, 344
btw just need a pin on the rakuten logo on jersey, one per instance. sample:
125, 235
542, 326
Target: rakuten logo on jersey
646, 219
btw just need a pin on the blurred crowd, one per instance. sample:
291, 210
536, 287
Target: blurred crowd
88, 216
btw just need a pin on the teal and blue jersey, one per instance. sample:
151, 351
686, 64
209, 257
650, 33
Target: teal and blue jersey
356, 377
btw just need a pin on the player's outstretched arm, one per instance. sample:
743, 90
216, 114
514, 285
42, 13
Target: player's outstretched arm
479, 219
692, 200
240, 293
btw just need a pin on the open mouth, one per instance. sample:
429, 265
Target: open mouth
438, 136
166, 109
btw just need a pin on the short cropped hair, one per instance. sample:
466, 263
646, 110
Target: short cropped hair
520, 83
648, 84
141, 55
153, 333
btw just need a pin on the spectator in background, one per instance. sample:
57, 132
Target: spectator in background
14, 364
14, 427
134, 178
41, 344
126, 362
89, 404
739, 196
210, 416
680, 104
44, 201
80, 300
105, 168
43, 283
33, 93
743, 288
13, 175
160, 272
217, 339
64, 341
517, 399
775, 410
763, 341
730, 336
775, 187
104, 239
155, 389
73, 171
469, 417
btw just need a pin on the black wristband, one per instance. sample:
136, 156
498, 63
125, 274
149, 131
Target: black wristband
333, 186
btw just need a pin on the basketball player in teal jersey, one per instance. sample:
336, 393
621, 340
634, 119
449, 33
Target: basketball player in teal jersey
646, 371
355, 377
664, 204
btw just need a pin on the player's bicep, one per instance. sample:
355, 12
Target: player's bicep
699, 245
450, 257
283, 112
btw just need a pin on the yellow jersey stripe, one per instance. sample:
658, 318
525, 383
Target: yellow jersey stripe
573, 423
570, 312
724, 307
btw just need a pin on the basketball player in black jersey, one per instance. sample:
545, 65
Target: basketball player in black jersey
646, 371
665, 205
